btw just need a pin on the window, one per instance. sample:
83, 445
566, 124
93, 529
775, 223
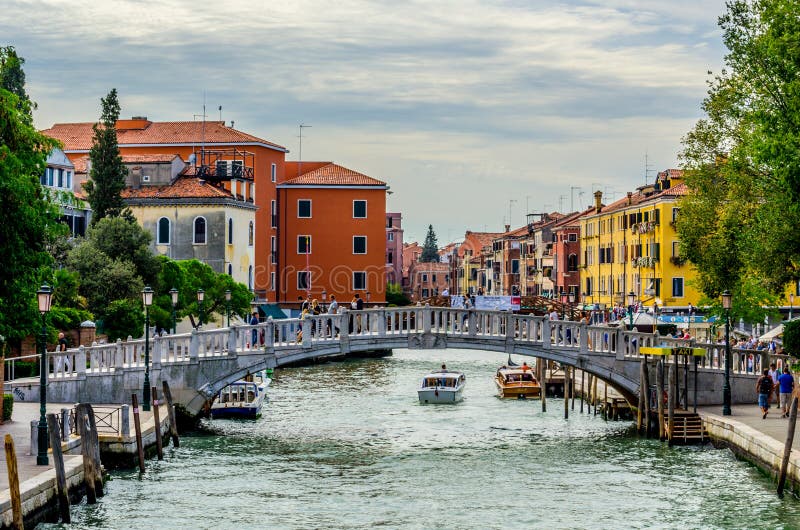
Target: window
388, 222
251, 233
304, 208
390, 236
677, 287
274, 173
359, 244
433, 278
514, 266
588, 286
359, 209
425, 293
390, 258
273, 207
573, 237
304, 244
359, 280
163, 232
272, 281
230, 230
303, 283
273, 250
49, 176
60, 178
572, 263
675, 214
424, 278
676, 251
230, 269
250, 277
199, 231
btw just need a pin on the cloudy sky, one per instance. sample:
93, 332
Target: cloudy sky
462, 107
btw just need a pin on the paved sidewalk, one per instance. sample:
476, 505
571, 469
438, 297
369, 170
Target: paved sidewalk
773, 426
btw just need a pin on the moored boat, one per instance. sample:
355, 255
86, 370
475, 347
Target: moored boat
443, 386
242, 399
517, 382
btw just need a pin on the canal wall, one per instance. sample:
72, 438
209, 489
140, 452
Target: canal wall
754, 446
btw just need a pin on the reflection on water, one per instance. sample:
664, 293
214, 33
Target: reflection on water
348, 445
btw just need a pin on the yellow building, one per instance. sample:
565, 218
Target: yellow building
631, 246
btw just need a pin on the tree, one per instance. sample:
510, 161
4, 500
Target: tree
395, 295
123, 319
123, 237
107, 177
737, 224
430, 250
27, 218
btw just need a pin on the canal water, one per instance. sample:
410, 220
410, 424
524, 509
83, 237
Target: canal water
347, 445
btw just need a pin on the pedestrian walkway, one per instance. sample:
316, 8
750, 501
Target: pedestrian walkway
773, 427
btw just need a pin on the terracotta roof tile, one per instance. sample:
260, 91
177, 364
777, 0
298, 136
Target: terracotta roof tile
334, 175
78, 136
81, 164
148, 159
182, 188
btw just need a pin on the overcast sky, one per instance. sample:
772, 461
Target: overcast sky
460, 106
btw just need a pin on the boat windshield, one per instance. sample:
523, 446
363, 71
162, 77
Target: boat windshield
439, 381
513, 378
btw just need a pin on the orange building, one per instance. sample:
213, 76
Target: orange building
219, 154
332, 237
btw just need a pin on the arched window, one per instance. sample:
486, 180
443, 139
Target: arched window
199, 230
230, 230
162, 237
251, 234
572, 263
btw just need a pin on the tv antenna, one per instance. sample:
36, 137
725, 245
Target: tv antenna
300, 154
572, 197
647, 168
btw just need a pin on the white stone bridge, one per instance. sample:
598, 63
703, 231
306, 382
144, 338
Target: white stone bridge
198, 364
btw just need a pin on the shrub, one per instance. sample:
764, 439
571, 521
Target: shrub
8, 406
791, 337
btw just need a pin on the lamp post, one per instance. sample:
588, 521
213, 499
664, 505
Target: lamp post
147, 300
631, 301
200, 297
563, 305
791, 305
571, 303
173, 293
726, 386
324, 295
43, 295
228, 305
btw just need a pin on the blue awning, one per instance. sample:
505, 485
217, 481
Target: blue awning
272, 310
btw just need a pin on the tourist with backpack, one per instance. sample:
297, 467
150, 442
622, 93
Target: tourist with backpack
764, 389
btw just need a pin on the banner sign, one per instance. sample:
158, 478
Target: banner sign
498, 303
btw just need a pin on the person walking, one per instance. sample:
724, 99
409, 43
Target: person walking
764, 389
774, 373
62, 360
786, 387
254, 332
333, 308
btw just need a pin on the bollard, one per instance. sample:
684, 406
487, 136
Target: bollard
58, 462
13, 483
173, 425
65, 421
34, 437
157, 424
138, 425
88, 461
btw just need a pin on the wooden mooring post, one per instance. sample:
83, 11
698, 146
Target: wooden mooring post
157, 420
673, 390
138, 426
594, 394
88, 459
572, 387
566, 392
605, 401
787, 448
660, 397
173, 424
13, 484
583, 388
58, 462
92, 441
646, 376
640, 408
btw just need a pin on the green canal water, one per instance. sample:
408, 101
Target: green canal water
347, 445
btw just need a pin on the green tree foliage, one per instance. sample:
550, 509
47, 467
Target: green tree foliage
395, 295
738, 223
107, 176
123, 237
430, 249
791, 337
123, 319
103, 278
27, 219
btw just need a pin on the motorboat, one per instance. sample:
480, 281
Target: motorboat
243, 398
443, 386
517, 382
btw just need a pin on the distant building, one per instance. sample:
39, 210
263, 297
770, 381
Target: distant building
428, 279
394, 248
59, 180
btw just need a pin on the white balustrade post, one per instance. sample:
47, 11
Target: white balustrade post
119, 355
472, 322
155, 352
426, 319
125, 420
233, 338
194, 347
546, 331
269, 336
306, 333
510, 324
584, 331
80, 362
381, 315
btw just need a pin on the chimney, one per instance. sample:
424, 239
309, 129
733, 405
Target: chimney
598, 201
630, 196
508, 228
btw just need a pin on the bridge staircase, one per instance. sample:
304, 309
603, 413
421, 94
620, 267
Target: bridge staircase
687, 429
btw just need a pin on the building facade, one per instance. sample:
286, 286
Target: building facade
394, 248
63, 189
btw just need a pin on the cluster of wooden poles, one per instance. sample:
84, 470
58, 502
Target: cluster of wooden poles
90, 450
592, 398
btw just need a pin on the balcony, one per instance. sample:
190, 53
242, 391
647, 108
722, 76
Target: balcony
644, 227
225, 164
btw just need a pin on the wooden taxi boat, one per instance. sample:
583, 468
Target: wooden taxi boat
517, 382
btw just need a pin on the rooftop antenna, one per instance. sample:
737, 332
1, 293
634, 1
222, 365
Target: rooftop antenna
300, 153
510, 202
572, 197
220, 114
647, 168
561, 199
203, 133
580, 199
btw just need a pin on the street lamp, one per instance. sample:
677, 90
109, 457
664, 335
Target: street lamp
324, 295
791, 305
571, 302
173, 293
147, 300
631, 301
563, 305
726, 386
43, 295
200, 297
228, 305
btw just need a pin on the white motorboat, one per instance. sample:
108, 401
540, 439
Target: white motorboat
443, 386
243, 398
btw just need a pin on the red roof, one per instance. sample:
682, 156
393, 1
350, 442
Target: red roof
332, 174
182, 188
78, 136
148, 159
